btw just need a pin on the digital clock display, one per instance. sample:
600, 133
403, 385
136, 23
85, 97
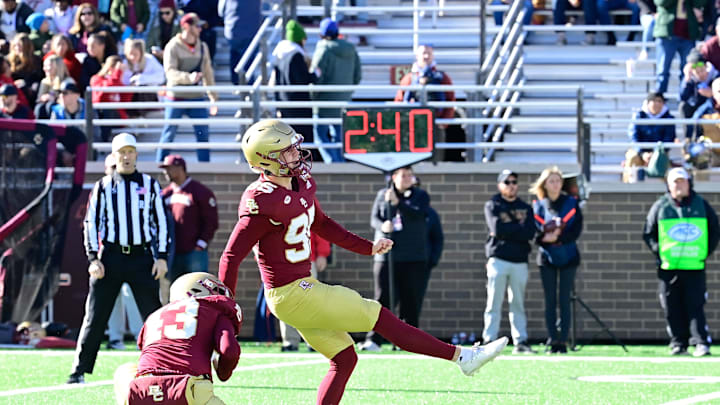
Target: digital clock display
388, 130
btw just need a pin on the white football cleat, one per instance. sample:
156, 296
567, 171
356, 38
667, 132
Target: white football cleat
482, 355
369, 346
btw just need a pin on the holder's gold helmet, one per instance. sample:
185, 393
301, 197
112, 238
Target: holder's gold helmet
198, 285
264, 143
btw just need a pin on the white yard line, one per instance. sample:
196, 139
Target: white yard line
365, 355
695, 400
33, 390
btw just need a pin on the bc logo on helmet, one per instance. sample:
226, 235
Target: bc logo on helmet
684, 232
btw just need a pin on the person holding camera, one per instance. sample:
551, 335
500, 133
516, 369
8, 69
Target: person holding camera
559, 221
682, 231
187, 63
400, 213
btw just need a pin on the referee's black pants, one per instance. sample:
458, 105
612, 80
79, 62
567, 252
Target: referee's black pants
136, 270
682, 296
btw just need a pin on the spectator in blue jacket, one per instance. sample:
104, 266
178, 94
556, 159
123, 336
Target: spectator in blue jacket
696, 89
653, 108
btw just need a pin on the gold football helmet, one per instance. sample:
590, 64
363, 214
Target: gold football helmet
198, 285
264, 143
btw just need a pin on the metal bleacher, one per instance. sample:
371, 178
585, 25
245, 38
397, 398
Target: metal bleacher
388, 44
609, 91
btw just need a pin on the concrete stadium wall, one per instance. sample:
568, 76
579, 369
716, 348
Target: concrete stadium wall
617, 278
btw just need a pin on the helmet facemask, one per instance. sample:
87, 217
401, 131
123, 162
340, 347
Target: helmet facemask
289, 169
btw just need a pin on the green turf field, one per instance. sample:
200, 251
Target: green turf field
647, 375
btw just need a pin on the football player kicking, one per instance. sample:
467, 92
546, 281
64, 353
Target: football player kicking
177, 342
277, 213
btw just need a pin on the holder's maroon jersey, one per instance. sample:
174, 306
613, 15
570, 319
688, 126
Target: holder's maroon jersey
180, 337
277, 223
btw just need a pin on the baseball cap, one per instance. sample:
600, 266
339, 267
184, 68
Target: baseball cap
191, 18
172, 160
69, 85
677, 173
8, 90
328, 28
505, 174
122, 140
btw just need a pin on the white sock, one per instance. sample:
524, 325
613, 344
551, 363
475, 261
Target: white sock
465, 355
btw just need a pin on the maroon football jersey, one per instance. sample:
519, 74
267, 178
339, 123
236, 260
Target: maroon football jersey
180, 337
276, 223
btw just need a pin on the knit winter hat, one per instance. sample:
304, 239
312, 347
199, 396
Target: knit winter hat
294, 32
35, 21
328, 28
167, 4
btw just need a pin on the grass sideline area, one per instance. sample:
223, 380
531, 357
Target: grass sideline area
594, 375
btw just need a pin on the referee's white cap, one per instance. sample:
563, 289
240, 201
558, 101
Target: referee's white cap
122, 140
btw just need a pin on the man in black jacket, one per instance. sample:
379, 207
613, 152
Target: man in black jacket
510, 229
400, 213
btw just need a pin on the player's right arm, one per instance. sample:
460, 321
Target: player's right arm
93, 219
248, 231
253, 213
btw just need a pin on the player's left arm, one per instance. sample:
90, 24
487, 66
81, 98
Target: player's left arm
227, 347
335, 233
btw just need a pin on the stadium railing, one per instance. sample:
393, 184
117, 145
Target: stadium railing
584, 144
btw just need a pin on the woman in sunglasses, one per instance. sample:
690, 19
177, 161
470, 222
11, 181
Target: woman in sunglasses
163, 28
87, 22
559, 222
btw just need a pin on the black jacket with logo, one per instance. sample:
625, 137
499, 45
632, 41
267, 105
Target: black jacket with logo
511, 227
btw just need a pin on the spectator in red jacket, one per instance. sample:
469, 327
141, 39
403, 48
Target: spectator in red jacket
62, 46
424, 71
110, 75
194, 208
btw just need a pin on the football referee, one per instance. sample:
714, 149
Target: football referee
125, 211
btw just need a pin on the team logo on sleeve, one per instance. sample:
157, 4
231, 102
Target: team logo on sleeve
287, 200
252, 206
212, 202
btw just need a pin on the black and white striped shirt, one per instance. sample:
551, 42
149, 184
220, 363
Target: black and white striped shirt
126, 210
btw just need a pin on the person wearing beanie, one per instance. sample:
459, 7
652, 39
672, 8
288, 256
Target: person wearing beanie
696, 89
163, 28
39, 31
290, 66
294, 32
335, 62
241, 24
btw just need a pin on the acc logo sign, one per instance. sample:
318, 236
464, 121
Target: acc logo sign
684, 232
